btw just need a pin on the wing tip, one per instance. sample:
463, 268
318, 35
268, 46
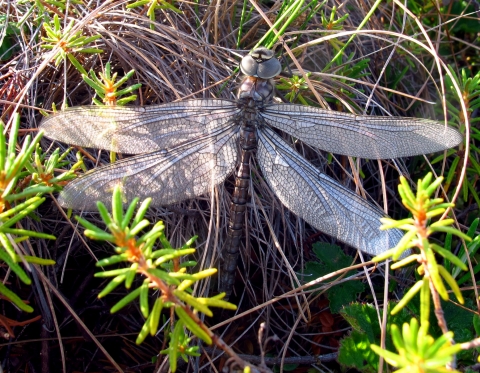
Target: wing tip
76, 203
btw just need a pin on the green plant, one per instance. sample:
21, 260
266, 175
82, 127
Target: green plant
43, 169
354, 351
332, 258
22, 187
417, 350
180, 344
106, 87
67, 42
289, 12
470, 91
472, 249
295, 86
418, 229
59, 4
162, 270
458, 20
153, 5
353, 72
8, 45
341, 51
331, 24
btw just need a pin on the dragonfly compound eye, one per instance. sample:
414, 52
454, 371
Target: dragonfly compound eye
261, 63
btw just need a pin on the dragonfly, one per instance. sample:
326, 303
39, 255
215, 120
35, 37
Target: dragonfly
180, 149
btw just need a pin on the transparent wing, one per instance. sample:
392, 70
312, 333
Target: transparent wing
136, 130
362, 136
319, 200
183, 172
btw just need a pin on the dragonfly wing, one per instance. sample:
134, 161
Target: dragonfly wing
180, 173
364, 136
319, 200
135, 129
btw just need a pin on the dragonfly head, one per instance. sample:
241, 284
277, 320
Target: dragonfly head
261, 63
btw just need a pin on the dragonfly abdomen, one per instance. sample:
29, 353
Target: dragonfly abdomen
238, 206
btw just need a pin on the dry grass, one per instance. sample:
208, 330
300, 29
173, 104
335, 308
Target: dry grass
195, 55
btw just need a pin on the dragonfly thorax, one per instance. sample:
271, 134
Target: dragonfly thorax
255, 92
